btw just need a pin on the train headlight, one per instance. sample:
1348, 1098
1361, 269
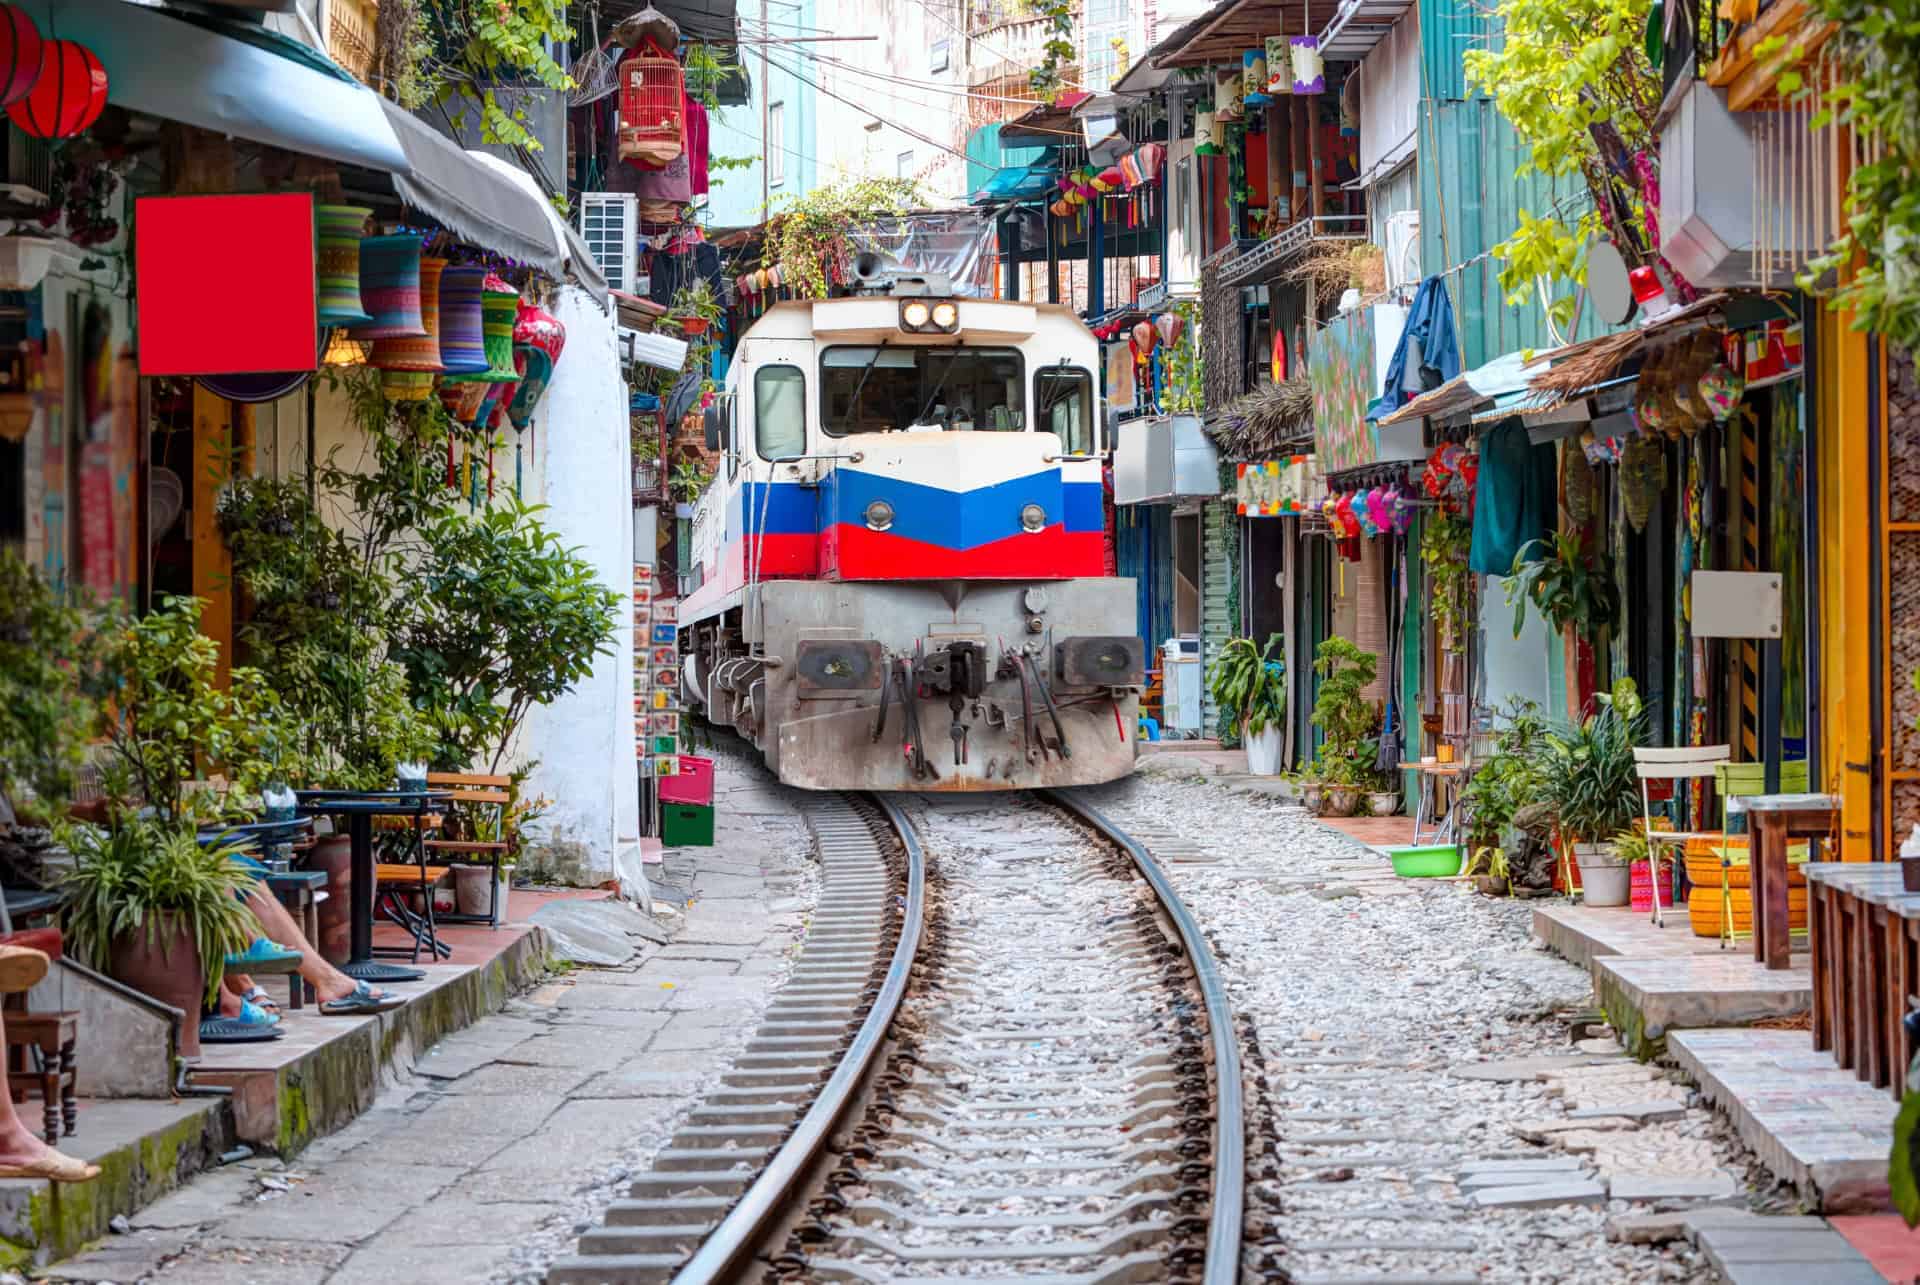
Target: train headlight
946, 315
879, 515
1033, 518
913, 314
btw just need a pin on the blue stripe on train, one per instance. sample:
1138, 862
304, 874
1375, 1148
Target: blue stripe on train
949, 519
784, 508
1085, 506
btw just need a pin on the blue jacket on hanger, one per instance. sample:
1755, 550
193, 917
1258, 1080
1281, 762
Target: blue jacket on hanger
1430, 339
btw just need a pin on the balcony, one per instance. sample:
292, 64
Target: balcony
1248, 262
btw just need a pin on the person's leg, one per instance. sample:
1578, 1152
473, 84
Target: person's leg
22, 1152
329, 983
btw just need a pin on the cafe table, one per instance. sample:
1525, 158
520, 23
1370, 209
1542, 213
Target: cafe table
1774, 821
359, 808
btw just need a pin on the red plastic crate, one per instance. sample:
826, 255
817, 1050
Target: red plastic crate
693, 783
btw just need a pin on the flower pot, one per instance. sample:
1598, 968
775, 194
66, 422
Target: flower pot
333, 853
1384, 803
693, 325
473, 889
1640, 884
1604, 879
1263, 752
1313, 796
164, 964
1342, 800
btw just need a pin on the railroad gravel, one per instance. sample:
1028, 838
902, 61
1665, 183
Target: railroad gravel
1363, 1004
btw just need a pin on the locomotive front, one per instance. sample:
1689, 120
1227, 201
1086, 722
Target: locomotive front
903, 572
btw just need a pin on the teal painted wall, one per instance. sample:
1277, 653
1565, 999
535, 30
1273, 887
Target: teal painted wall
735, 131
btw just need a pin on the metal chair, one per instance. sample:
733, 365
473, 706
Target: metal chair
1681, 763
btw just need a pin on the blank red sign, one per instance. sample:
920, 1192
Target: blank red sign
226, 284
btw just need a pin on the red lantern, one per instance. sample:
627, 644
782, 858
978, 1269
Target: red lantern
20, 46
69, 96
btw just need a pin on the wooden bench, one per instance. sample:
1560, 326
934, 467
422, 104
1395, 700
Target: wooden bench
1866, 966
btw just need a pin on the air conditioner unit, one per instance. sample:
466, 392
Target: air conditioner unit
610, 225
1403, 249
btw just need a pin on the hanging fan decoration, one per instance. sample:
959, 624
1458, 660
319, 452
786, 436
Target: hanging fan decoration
1641, 465
1576, 486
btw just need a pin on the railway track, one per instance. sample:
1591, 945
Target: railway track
1004, 1054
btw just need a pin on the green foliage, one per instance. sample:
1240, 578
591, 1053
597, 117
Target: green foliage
1182, 393
1046, 79
1877, 255
1346, 719
45, 716
1562, 72
1249, 683
167, 722
813, 234
487, 45
1443, 553
1510, 777
503, 617
1903, 1159
688, 480
1587, 772
1572, 590
139, 878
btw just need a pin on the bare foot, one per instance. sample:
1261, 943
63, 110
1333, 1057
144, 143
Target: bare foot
22, 1155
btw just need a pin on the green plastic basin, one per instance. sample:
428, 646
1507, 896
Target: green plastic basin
1431, 861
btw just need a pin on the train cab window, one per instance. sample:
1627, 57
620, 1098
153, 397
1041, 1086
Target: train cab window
780, 411
884, 389
1063, 405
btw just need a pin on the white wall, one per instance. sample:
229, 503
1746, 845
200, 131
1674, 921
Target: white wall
584, 740
895, 104
1390, 98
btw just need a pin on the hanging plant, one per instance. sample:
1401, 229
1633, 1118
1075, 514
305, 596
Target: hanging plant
1569, 588
1047, 80
1444, 547
813, 236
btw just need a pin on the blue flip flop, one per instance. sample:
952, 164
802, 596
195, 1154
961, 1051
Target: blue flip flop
265, 956
360, 1002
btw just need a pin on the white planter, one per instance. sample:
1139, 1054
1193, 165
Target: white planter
1263, 752
1603, 880
681, 509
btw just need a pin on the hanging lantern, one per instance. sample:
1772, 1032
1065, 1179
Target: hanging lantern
68, 95
1309, 69
339, 259
463, 348
463, 400
489, 402
1253, 77
540, 336
344, 350
1143, 336
390, 288
418, 353
1203, 144
1228, 102
1171, 326
499, 302
1279, 66
20, 54
652, 103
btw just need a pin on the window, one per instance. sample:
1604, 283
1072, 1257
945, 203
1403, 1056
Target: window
887, 389
1063, 406
780, 411
776, 144
938, 59
903, 165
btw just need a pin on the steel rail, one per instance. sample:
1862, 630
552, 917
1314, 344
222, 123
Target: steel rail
1229, 1117
769, 1199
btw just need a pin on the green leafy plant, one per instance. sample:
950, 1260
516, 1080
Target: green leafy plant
1182, 366
1630, 845
1587, 772
505, 618
140, 876
814, 235
1046, 80
485, 46
46, 649
1572, 589
1509, 778
688, 481
1346, 719
1444, 546
1249, 681
695, 300
1572, 77
167, 721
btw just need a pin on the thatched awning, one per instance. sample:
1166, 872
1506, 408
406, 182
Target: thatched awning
1581, 366
1272, 421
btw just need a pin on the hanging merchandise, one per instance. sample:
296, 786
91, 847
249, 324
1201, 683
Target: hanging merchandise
539, 334
1514, 505
1253, 78
1228, 101
1721, 388
1362, 510
652, 106
1279, 367
1203, 132
463, 400
390, 287
409, 367
68, 95
1279, 67
499, 311
1350, 107
1309, 69
463, 348
20, 54
1404, 507
1576, 486
1698, 356
699, 131
1171, 326
1143, 336
1641, 466
339, 264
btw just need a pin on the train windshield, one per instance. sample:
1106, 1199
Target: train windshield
882, 389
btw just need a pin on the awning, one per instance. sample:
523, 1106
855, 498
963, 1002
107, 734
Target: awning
443, 181
567, 255
1501, 383
191, 71
1016, 181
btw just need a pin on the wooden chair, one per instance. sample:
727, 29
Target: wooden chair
483, 803
40, 1046
393, 880
1680, 763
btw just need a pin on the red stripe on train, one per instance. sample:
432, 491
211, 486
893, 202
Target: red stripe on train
855, 553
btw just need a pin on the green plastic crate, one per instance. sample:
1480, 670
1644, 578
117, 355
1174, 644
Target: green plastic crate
686, 825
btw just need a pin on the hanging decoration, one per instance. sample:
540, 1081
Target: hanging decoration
1204, 143
390, 288
68, 94
462, 338
463, 400
410, 367
1171, 326
1228, 101
20, 55
652, 107
1309, 69
540, 334
1253, 78
344, 350
339, 264
1279, 67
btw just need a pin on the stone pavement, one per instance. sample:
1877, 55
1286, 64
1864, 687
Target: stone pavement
512, 1134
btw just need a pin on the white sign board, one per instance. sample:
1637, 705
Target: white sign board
1736, 604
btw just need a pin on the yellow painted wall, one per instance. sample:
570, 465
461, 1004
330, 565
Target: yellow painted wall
1849, 687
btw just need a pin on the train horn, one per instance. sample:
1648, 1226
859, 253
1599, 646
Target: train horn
872, 268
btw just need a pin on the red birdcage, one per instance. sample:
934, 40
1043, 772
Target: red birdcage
652, 107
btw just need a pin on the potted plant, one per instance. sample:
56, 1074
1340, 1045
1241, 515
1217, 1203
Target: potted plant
1572, 589
1487, 867
695, 308
1588, 774
150, 907
1347, 722
688, 480
1249, 681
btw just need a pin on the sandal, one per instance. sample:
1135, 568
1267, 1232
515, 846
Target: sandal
55, 1166
237, 1030
257, 995
360, 1002
21, 968
265, 956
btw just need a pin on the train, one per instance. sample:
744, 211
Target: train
899, 577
